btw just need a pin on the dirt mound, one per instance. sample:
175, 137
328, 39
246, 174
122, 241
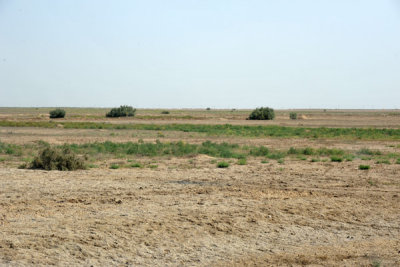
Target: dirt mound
302, 117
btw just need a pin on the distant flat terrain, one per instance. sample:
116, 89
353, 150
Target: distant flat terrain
282, 201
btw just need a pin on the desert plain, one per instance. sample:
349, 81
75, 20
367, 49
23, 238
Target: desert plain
291, 207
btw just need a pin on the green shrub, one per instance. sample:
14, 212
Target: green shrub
62, 159
222, 164
293, 115
336, 159
398, 161
165, 112
277, 155
136, 165
122, 111
364, 167
114, 166
315, 160
263, 113
242, 162
57, 113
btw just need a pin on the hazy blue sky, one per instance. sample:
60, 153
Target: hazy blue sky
200, 53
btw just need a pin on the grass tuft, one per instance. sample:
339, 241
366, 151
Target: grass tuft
364, 167
222, 164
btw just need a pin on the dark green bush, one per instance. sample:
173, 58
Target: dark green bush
293, 115
336, 159
165, 112
222, 164
364, 167
114, 166
122, 111
263, 113
62, 159
57, 113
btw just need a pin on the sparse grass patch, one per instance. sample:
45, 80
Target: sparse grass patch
349, 157
136, 165
398, 161
383, 161
92, 166
315, 160
364, 167
153, 166
277, 155
222, 164
367, 151
336, 159
365, 158
264, 161
259, 151
302, 158
229, 130
280, 161
114, 166
242, 162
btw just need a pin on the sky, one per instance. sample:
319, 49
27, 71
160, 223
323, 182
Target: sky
200, 53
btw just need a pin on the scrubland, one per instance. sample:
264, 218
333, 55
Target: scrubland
202, 188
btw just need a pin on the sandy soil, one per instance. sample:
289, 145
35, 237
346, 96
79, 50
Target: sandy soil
258, 214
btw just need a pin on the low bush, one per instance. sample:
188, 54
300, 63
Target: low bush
165, 112
364, 167
114, 166
57, 113
336, 159
222, 164
293, 115
62, 159
263, 113
136, 165
122, 111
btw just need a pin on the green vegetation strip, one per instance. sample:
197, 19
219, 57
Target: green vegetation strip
181, 149
227, 129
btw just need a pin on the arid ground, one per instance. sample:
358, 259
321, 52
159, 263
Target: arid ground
184, 211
